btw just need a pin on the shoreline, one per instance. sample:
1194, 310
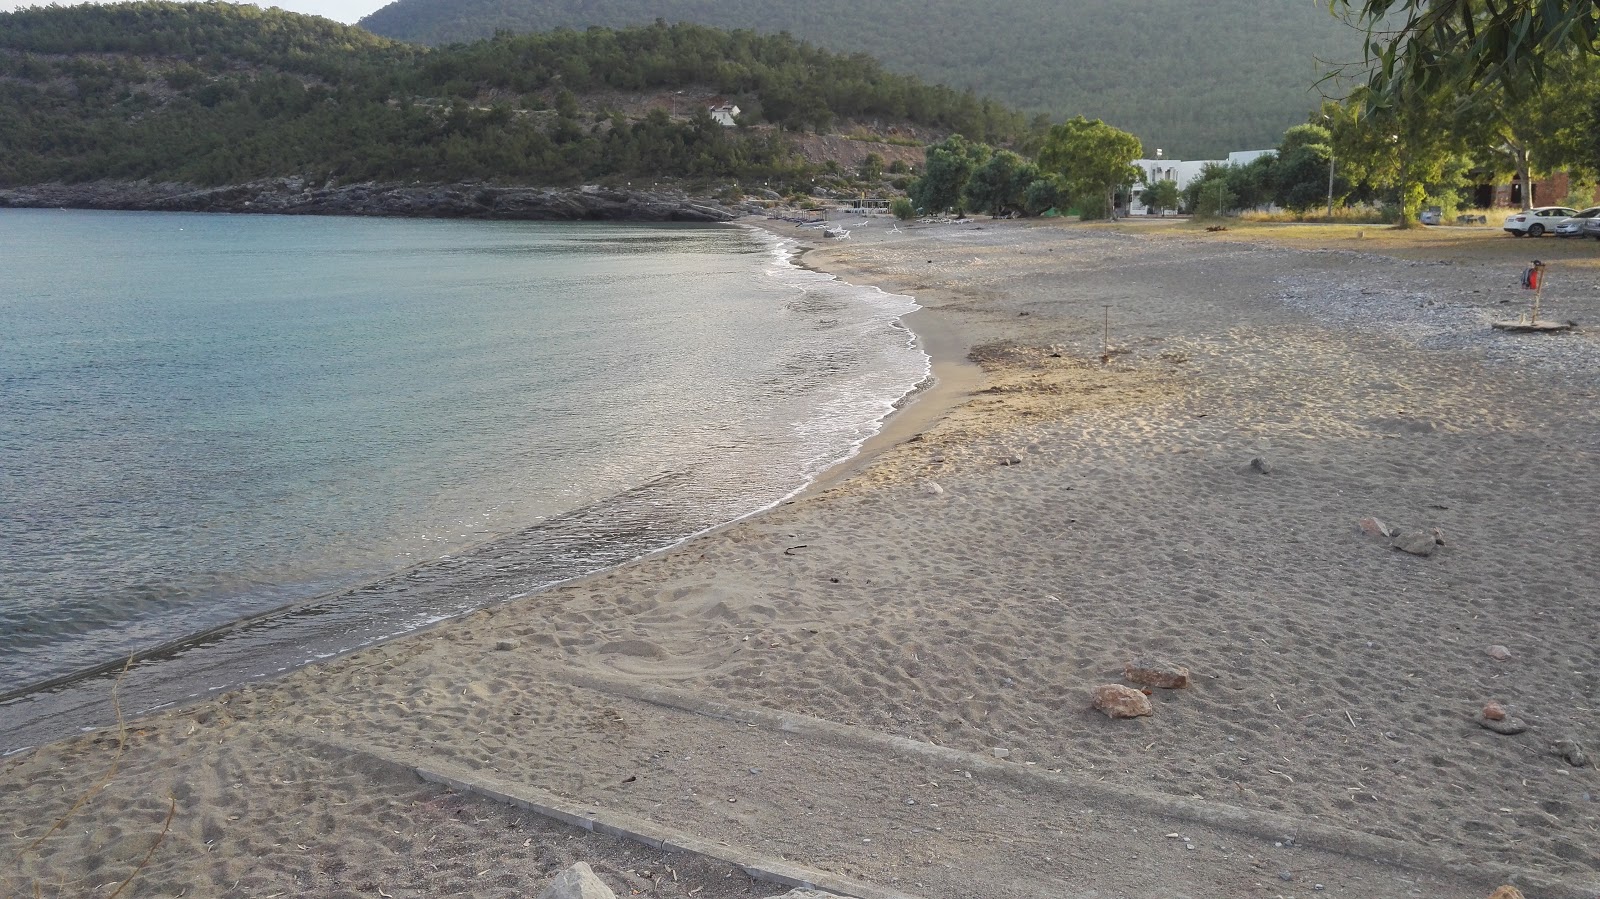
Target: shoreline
295, 196
916, 409
890, 683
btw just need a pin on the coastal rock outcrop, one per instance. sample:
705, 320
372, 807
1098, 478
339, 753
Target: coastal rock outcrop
293, 196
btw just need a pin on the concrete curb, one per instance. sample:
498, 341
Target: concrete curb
1263, 825
615, 824
655, 836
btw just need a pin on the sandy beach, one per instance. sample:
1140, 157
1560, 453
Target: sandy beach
1146, 442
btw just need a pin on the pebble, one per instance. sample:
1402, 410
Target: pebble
1260, 465
1498, 653
1507, 726
1571, 752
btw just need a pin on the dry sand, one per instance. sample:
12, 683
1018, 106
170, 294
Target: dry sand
888, 679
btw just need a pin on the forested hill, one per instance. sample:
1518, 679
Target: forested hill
1196, 77
215, 93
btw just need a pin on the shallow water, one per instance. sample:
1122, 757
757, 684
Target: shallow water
204, 418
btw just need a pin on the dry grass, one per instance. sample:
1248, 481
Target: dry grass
1448, 243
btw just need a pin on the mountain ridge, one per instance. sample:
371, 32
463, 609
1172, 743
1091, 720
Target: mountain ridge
1197, 77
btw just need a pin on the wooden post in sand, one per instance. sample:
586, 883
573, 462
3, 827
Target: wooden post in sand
1105, 338
1538, 289
1533, 280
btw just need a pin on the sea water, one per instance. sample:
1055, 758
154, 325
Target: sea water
376, 423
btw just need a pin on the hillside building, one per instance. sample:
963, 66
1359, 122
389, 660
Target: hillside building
725, 114
1182, 171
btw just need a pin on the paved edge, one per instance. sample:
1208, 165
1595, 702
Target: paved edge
615, 824
655, 836
1263, 825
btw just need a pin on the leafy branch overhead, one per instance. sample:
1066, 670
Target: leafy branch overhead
1421, 46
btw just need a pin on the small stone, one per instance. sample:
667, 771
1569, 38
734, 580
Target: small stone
1156, 673
1507, 725
1372, 527
931, 488
1260, 465
1286, 875
1118, 701
1507, 892
1000, 752
1570, 751
1417, 543
1494, 711
578, 882
1011, 460
1498, 653
505, 645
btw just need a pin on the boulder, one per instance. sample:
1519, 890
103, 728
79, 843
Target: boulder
1507, 892
577, 882
1156, 673
1118, 701
1498, 653
1260, 465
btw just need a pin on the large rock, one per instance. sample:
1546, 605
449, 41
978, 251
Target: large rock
1156, 673
577, 882
1118, 701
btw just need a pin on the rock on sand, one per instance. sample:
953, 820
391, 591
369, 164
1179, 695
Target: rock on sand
578, 882
1118, 701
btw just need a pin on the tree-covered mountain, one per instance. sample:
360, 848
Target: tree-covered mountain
1196, 77
215, 93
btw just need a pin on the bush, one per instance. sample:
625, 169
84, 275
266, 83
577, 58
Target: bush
902, 209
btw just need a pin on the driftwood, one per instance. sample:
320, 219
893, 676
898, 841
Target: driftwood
1523, 326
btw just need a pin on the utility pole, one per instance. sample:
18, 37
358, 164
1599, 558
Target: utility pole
1330, 181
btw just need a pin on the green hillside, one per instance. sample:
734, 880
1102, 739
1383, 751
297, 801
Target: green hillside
1196, 77
213, 93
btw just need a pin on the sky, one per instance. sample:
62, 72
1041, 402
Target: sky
339, 10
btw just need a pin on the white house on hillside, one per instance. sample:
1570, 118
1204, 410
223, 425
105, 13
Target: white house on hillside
1180, 170
725, 114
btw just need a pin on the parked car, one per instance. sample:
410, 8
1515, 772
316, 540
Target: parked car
1573, 226
1591, 227
1433, 215
1535, 222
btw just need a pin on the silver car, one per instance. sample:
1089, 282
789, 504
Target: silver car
1572, 226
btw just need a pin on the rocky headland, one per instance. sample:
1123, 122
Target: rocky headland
295, 196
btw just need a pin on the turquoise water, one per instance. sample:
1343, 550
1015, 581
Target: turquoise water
203, 418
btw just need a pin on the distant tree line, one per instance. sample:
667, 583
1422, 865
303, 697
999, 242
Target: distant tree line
216, 93
1081, 163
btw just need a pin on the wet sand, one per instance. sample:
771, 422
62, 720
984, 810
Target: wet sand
887, 680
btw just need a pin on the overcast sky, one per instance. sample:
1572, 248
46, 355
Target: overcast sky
339, 10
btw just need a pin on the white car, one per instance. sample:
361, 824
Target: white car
1535, 222
1573, 225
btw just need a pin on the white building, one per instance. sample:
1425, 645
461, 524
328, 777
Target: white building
1182, 171
725, 114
